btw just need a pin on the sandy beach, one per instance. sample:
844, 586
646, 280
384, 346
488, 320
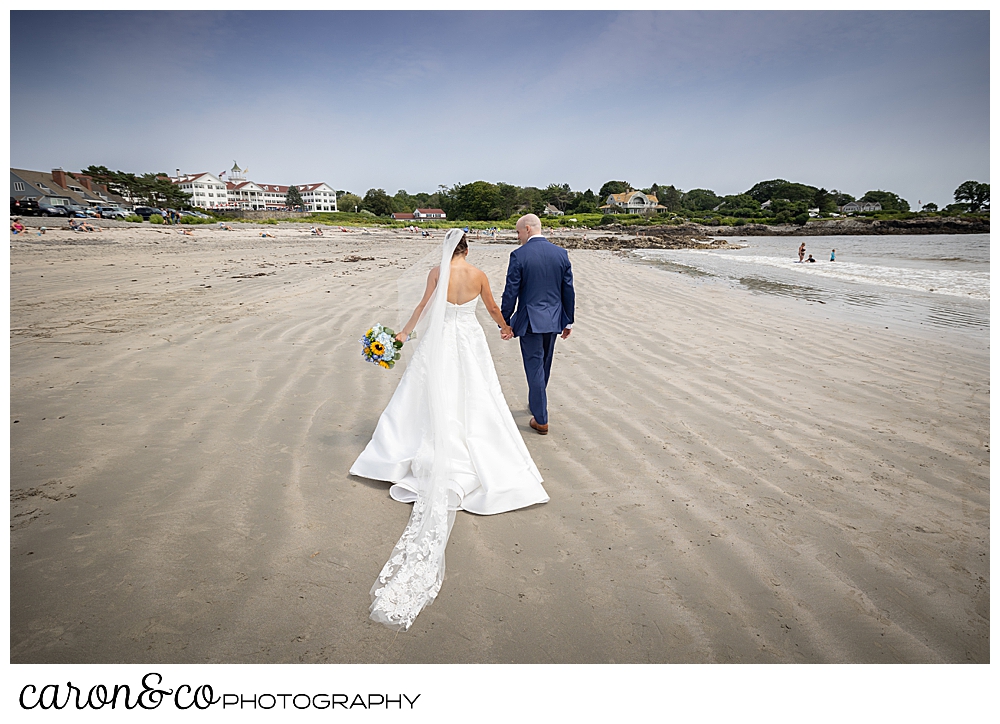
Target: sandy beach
733, 477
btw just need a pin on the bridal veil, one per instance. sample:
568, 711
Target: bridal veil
412, 577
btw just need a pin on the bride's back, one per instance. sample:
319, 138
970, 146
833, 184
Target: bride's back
465, 282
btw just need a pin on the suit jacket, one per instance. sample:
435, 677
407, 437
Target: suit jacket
540, 285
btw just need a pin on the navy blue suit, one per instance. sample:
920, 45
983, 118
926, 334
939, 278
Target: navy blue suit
540, 286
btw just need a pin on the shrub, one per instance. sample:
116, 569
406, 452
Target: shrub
739, 222
801, 219
134, 218
607, 219
155, 219
196, 220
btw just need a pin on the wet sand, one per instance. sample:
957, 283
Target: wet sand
727, 484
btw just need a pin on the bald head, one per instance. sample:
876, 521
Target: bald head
527, 226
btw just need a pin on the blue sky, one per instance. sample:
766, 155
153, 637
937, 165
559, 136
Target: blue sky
848, 100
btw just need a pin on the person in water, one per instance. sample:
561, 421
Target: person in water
833, 255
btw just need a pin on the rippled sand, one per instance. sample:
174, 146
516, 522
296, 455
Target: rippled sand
727, 484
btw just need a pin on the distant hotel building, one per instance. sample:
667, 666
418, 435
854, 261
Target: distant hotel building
236, 192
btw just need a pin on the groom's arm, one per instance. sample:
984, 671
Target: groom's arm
511, 289
568, 294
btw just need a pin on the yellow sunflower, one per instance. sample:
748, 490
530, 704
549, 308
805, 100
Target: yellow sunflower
368, 351
383, 363
378, 348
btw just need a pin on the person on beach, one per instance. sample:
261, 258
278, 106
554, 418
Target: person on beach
540, 286
16, 227
446, 440
833, 255
811, 260
802, 251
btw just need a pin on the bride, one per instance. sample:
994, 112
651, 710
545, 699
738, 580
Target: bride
446, 440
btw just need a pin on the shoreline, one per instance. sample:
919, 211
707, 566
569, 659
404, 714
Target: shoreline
726, 484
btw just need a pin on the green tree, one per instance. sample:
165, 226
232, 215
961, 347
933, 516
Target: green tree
766, 190
840, 198
403, 202
585, 203
889, 200
671, 198
530, 200
293, 198
613, 187
824, 201
559, 196
929, 206
701, 200
975, 194
742, 205
781, 189
479, 200
508, 199
346, 201
378, 202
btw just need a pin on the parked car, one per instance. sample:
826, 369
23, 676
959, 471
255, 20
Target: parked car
47, 208
24, 207
198, 214
111, 212
146, 211
81, 212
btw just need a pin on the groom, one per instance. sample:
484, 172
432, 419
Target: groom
540, 284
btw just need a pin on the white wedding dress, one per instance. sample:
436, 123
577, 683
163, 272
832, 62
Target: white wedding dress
446, 441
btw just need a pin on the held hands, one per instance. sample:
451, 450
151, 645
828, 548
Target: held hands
506, 332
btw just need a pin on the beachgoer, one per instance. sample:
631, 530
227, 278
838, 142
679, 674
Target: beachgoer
833, 255
16, 226
811, 260
802, 251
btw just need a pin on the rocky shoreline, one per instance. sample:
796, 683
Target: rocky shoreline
616, 237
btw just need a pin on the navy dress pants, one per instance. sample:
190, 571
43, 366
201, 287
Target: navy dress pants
536, 353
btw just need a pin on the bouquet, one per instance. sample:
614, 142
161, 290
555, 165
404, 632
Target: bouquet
379, 347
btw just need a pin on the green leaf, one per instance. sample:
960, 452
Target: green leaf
389, 332
397, 344
397, 356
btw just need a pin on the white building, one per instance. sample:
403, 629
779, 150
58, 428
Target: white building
236, 192
207, 191
318, 197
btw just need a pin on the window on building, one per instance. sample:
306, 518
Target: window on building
18, 186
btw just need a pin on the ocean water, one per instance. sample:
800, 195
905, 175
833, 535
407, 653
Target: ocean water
932, 281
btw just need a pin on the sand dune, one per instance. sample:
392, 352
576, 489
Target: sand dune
730, 481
